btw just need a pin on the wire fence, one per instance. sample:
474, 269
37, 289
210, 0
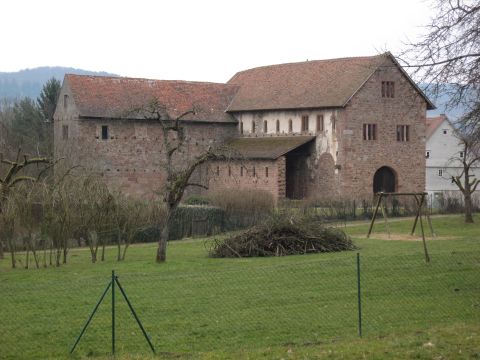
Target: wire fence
247, 303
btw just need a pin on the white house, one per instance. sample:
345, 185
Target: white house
443, 155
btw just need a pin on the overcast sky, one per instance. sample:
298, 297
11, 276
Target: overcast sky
203, 40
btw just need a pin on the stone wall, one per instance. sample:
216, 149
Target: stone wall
132, 159
267, 175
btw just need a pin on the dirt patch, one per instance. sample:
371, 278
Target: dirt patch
408, 237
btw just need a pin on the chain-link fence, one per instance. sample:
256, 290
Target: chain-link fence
227, 305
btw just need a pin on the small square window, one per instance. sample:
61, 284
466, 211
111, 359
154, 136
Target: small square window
369, 131
403, 132
461, 154
427, 154
104, 132
445, 131
388, 89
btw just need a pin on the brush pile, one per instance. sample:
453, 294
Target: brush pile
282, 236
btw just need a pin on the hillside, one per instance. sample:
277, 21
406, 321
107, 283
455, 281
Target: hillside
29, 82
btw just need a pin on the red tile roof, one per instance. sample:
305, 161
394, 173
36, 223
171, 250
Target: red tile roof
433, 123
310, 84
269, 148
114, 97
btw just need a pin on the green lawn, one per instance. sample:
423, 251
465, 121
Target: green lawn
290, 307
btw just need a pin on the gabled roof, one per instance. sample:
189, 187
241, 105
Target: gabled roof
310, 84
433, 123
115, 97
268, 148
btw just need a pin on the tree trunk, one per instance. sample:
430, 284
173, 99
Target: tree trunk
468, 208
162, 243
2, 255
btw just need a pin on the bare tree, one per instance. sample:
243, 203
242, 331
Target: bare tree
14, 172
447, 57
178, 168
465, 180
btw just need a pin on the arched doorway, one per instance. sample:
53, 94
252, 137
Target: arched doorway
384, 180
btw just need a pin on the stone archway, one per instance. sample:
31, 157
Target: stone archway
384, 180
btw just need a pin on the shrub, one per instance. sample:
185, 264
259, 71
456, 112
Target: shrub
280, 236
193, 220
197, 200
243, 208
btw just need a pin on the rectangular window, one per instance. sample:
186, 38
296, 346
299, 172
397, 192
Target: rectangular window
369, 131
440, 172
241, 170
266, 171
334, 123
218, 170
254, 171
445, 131
265, 126
104, 132
403, 132
241, 127
229, 170
304, 123
388, 89
461, 154
65, 101
320, 123
65, 132
427, 154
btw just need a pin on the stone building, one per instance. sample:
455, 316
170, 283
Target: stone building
343, 127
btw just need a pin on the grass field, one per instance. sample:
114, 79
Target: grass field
292, 307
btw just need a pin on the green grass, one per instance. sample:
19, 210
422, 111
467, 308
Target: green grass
290, 307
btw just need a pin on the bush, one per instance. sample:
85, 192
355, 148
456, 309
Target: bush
243, 208
192, 220
197, 200
280, 236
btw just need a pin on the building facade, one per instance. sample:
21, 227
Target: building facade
327, 129
444, 155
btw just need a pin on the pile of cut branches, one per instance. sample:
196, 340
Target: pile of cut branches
282, 236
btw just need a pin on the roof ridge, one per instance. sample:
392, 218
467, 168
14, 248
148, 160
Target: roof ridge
310, 61
127, 78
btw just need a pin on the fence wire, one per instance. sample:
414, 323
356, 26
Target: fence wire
246, 303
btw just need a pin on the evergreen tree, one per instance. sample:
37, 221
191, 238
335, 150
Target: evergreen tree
47, 101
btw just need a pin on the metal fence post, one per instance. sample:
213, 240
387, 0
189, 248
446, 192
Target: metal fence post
359, 296
113, 312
